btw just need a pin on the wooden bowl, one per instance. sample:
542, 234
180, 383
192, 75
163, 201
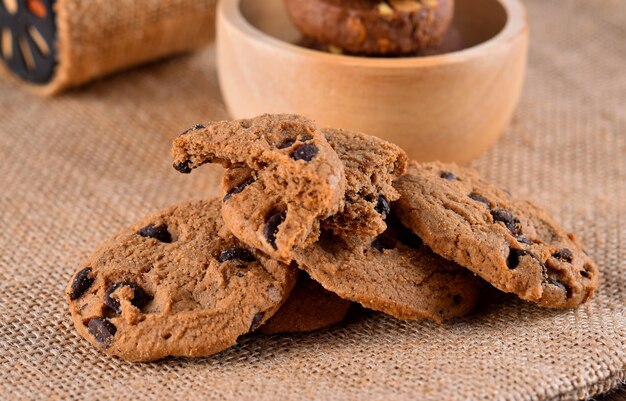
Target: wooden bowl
449, 107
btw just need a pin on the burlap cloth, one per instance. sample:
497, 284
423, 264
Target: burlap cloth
98, 37
76, 168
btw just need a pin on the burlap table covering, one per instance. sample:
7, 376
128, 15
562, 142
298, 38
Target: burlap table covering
76, 168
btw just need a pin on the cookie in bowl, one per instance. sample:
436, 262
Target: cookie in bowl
373, 27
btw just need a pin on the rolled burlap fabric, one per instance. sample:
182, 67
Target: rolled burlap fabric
57, 44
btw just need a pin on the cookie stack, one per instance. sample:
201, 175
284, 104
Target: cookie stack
311, 220
375, 27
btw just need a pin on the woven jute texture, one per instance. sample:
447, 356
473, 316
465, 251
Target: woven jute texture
77, 167
98, 37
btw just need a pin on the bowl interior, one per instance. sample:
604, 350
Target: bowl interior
475, 20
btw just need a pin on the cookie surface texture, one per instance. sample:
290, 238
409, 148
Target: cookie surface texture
282, 178
175, 284
371, 164
393, 273
513, 244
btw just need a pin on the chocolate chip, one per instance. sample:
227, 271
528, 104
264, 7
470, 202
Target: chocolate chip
140, 297
382, 206
511, 222
512, 261
381, 243
448, 175
271, 227
585, 273
561, 286
256, 321
183, 167
239, 188
194, 128
305, 152
305, 138
564, 254
102, 329
457, 299
157, 232
523, 240
479, 198
82, 282
286, 143
236, 253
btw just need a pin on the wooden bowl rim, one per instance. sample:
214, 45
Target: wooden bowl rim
516, 25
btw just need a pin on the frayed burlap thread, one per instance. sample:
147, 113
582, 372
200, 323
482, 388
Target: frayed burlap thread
77, 167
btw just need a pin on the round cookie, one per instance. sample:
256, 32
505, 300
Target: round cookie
370, 164
393, 273
175, 284
373, 27
284, 178
511, 243
309, 307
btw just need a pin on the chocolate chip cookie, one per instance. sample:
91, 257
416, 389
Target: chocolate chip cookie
283, 178
373, 27
371, 164
393, 273
309, 307
177, 283
511, 243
